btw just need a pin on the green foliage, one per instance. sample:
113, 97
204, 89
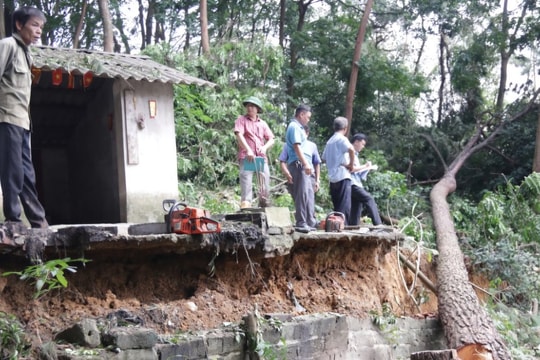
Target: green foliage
393, 195
416, 227
471, 65
519, 329
260, 346
388, 76
284, 200
13, 341
509, 158
385, 321
384, 318
206, 146
47, 276
502, 238
205, 117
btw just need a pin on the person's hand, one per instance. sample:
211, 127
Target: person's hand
317, 186
250, 156
289, 178
308, 170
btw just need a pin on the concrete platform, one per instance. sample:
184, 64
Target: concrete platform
268, 232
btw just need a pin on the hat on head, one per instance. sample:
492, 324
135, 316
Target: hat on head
255, 101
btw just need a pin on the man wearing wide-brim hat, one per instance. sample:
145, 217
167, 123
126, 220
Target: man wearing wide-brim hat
254, 138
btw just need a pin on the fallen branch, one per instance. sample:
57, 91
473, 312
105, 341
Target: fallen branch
421, 275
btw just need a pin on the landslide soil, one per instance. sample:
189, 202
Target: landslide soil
172, 293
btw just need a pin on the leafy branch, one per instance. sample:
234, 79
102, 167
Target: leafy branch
47, 276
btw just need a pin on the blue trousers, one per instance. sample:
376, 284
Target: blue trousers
17, 177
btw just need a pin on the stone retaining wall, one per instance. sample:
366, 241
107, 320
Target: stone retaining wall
321, 336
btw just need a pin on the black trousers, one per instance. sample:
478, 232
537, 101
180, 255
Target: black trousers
359, 198
340, 192
18, 178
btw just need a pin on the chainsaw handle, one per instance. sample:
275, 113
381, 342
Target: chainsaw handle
335, 213
171, 205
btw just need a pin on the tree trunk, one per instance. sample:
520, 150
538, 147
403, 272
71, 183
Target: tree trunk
119, 25
356, 58
435, 355
302, 10
8, 6
78, 29
142, 25
108, 38
187, 43
148, 22
205, 43
2, 22
282, 13
159, 33
442, 73
464, 320
536, 161
422, 47
505, 57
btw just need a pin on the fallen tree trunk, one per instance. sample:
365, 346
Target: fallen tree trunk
464, 320
435, 355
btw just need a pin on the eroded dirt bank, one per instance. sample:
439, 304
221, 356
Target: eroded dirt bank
181, 292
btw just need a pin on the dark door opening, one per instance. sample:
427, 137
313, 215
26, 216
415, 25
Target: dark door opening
73, 151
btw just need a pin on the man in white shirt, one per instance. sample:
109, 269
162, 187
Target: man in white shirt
338, 155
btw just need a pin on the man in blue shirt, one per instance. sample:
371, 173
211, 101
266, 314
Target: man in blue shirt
299, 164
315, 160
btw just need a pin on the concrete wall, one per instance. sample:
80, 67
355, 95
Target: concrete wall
147, 150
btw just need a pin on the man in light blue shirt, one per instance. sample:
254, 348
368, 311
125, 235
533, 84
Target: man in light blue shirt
315, 160
338, 155
299, 165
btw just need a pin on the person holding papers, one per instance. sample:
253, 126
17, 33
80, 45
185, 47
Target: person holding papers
254, 138
359, 195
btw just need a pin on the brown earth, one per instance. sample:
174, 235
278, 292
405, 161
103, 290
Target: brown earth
174, 293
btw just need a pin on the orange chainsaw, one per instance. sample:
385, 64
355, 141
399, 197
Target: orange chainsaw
182, 219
